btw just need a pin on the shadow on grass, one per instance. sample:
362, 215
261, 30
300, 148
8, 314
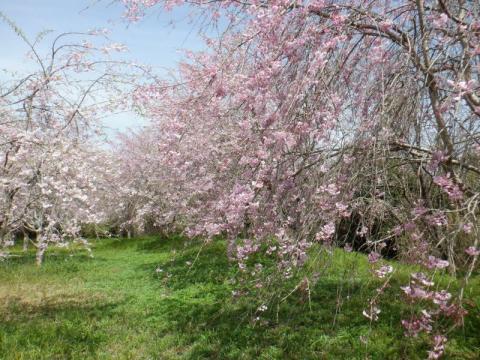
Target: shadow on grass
218, 327
28, 259
329, 325
163, 243
200, 306
193, 265
63, 326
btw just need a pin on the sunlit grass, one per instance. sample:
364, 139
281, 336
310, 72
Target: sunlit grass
117, 306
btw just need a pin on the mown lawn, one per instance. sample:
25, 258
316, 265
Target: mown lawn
117, 306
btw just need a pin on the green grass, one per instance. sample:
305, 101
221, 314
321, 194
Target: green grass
116, 306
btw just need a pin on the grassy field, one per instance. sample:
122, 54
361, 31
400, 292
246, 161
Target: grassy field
117, 306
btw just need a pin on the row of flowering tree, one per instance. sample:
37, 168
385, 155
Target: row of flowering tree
348, 123
55, 176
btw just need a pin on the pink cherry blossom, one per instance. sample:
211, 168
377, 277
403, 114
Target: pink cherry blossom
436, 263
472, 251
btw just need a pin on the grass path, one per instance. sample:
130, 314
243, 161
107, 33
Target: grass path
117, 306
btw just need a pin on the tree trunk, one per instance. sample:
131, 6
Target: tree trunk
41, 247
25, 242
231, 249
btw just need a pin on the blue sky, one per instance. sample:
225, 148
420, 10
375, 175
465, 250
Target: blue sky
153, 41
